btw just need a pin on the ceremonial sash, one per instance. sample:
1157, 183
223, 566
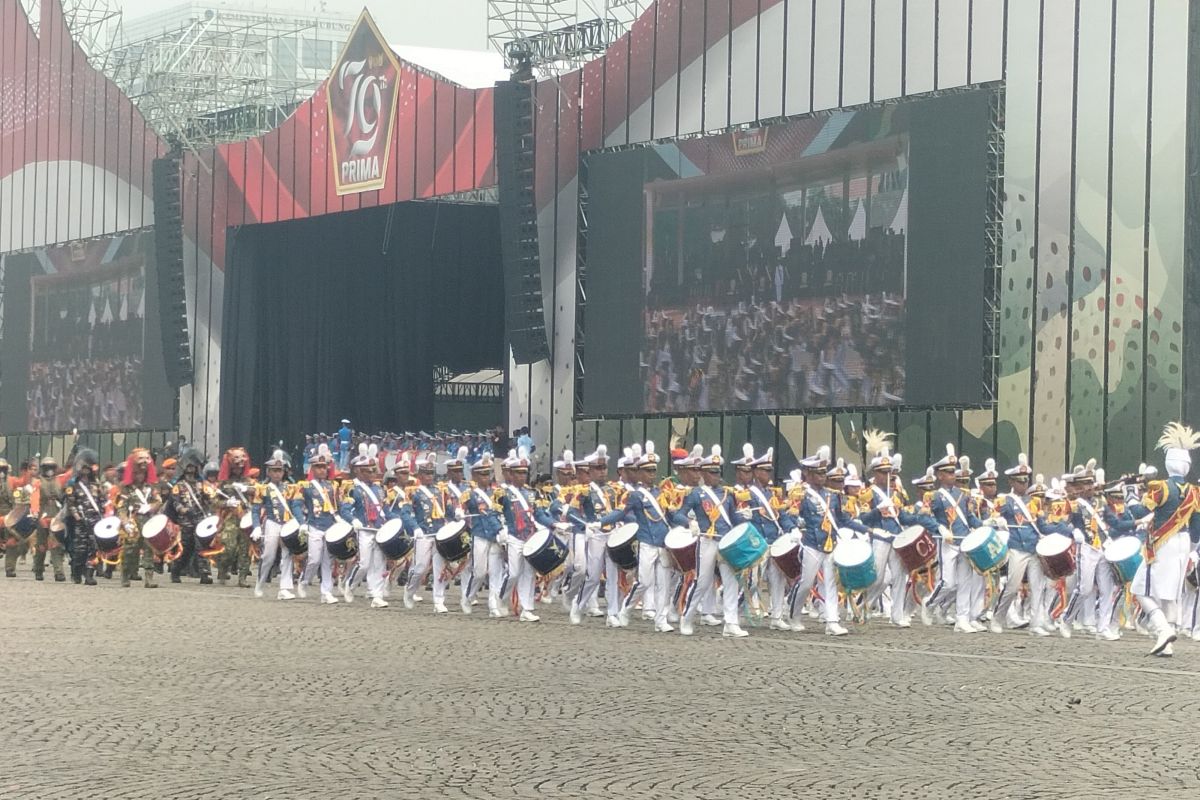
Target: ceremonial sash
287, 512
828, 524
1189, 502
1097, 523
646, 493
887, 508
1025, 510
718, 505
326, 505
374, 510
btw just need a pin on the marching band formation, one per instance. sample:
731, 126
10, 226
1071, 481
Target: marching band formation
1075, 554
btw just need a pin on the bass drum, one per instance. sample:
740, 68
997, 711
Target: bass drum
206, 532
340, 540
393, 540
622, 546
453, 541
293, 538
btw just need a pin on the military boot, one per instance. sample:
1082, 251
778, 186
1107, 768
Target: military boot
89, 577
243, 583
148, 580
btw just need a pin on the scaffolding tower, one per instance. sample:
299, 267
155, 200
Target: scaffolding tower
557, 36
93, 23
222, 74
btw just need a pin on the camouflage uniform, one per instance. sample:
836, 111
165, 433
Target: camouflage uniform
85, 504
189, 502
134, 548
15, 544
50, 498
236, 556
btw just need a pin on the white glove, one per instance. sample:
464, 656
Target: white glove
144, 509
502, 537
458, 513
256, 534
304, 529
232, 502
356, 523
240, 487
562, 526
1077, 535
419, 532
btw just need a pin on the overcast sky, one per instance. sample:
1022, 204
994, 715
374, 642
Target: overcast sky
458, 24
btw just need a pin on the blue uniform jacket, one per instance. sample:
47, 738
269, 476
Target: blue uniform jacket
820, 528
1120, 520
278, 504
356, 505
319, 511
894, 520
1163, 498
698, 505
954, 513
649, 516
487, 521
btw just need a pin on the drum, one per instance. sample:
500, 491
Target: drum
20, 522
453, 541
788, 556
681, 544
159, 534
393, 540
246, 523
59, 528
108, 534
915, 548
984, 549
1124, 554
622, 546
742, 547
206, 531
1057, 554
293, 538
340, 540
545, 551
855, 563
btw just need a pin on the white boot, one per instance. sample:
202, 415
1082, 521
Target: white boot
329, 600
576, 616
663, 627
529, 616
834, 629
301, 590
779, 624
284, 594
378, 602
408, 599
440, 608
710, 620
685, 627
963, 625
733, 631
347, 592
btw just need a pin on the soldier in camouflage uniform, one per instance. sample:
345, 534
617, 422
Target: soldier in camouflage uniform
190, 501
16, 544
86, 505
50, 504
238, 495
136, 503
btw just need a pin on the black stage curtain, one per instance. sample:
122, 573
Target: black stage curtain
345, 315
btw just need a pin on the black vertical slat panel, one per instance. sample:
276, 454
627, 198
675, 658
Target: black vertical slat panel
842, 55
937, 32
1037, 187
1191, 244
1071, 233
812, 57
1145, 290
904, 49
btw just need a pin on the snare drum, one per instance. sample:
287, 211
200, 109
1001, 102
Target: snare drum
742, 547
545, 551
59, 528
339, 540
453, 541
854, 560
1057, 554
1124, 554
108, 534
158, 534
393, 540
206, 531
984, 549
291, 536
788, 555
915, 548
681, 544
622, 546
246, 522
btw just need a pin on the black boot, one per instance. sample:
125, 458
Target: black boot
206, 580
59, 577
175, 577
90, 577
76, 574
41, 576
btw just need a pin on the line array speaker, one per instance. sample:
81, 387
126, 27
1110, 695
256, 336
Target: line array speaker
168, 257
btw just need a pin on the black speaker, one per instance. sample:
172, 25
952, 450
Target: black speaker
168, 257
524, 317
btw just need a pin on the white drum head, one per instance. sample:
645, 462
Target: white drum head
535, 542
852, 552
57, 524
975, 539
208, 526
154, 526
907, 536
782, 546
338, 531
389, 530
450, 530
622, 534
107, 528
735, 533
1121, 548
678, 538
246, 522
1054, 544
289, 527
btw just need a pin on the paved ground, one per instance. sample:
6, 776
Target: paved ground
197, 692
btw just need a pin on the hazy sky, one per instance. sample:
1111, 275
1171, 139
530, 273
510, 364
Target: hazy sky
429, 23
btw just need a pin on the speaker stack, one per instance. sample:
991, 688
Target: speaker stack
168, 247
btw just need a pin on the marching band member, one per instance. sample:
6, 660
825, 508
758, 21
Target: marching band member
49, 504
884, 512
235, 489
604, 496
593, 556
86, 505
487, 556
1171, 542
769, 515
16, 543
276, 503
362, 506
818, 511
643, 503
1095, 588
456, 490
1022, 510
137, 501
516, 500
951, 508
429, 509
566, 512
708, 511
189, 500
319, 505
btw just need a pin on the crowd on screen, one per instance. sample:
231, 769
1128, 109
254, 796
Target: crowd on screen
85, 393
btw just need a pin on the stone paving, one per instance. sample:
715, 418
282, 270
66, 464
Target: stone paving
204, 692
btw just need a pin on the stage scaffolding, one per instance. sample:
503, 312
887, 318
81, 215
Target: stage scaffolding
557, 36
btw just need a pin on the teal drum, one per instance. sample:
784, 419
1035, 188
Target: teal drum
742, 547
1124, 554
855, 563
984, 548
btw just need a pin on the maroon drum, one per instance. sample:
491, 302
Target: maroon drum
787, 555
681, 544
916, 548
1057, 554
159, 533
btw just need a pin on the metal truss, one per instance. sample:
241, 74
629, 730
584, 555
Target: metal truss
557, 36
993, 248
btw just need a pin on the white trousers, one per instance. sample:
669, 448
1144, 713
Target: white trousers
1095, 590
653, 576
890, 574
595, 563
480, 568
370, 567
1020, 563
777, 582
812, 562
422, 561
272, 546
708, 561
969, 590
575, 572
319, 561
521, 575
946, 589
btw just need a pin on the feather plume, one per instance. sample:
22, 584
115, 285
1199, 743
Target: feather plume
876, 441
950, 450
748, 451
568, 457
1023, 460
1179, 436
990, 465
698, 451
965, 463
635, 451
898, 461
716, 451
601, 451
462, 453
649, 448
823, 452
